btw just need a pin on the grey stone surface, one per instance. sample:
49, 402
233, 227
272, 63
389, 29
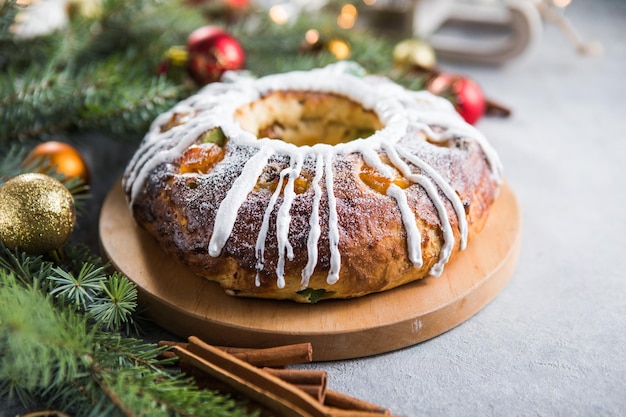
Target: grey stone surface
551, 344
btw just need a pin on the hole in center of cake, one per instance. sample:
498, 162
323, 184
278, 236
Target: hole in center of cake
306, 118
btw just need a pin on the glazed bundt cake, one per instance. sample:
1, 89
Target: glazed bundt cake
312, 185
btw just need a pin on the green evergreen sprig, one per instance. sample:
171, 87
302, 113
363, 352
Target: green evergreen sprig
116, 303
51, 354
108, 300
96, 74
40, 346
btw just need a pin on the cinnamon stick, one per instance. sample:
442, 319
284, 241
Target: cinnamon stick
300, 377
258, 385
291, 392
493, 108
278, 356
205, 381
316, 392
262, 357
310, 381
171, 343
339, 412
168, 354
345, 402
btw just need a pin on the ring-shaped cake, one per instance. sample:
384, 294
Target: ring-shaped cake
312, 185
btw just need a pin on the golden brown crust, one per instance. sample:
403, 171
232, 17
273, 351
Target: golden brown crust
372, 242
177, 196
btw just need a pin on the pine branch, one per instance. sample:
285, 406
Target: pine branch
80, 283
150, 396
39, 346
36, 101
29, 270
110, 96
11, 164
51, 353
116, 304
77, 290
109, 108
8, 11
95, 75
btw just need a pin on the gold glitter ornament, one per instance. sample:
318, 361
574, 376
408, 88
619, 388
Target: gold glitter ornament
414, 52
37, 213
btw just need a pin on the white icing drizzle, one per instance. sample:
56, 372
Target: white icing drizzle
371, 158
402, 112
262, 236
333, 224
314, 223
157, 154
227, 212
413, 235
283, 219
442, 114
431, 190
450, 194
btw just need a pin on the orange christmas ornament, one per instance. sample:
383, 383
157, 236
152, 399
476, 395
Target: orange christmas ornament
64, 158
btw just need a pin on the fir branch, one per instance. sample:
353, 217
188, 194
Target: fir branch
110, 300
78, 281
29, 270
114, 308
110, 96
75, 255
8, 11
144, 395
11, 164
95, 75
50, 353
38, 100
77, 290
40, 346
115, 351
109, 108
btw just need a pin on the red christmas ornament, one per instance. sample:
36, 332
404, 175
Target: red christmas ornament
212, 52
465, 95
238, 4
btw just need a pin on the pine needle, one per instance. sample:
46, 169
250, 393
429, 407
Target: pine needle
114, 308
78, 290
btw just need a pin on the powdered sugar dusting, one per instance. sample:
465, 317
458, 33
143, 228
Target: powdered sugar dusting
405, 115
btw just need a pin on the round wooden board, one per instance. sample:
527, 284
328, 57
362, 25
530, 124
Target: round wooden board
186, 304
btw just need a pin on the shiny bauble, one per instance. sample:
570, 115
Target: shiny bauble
414, 53
37, 213
213, 51
466, 96
61, 157
81, 9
